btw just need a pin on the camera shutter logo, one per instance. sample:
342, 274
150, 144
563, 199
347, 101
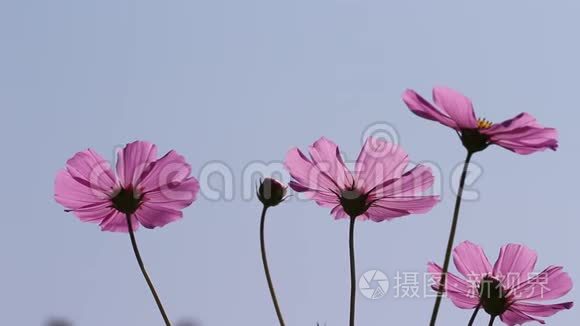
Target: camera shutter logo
374, 284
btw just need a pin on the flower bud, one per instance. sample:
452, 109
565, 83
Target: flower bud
271, 192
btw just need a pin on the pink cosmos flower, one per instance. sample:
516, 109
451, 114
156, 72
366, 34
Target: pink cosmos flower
508, 289
152, 191
522, 134
379, 189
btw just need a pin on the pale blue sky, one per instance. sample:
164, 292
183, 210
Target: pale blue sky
243, 81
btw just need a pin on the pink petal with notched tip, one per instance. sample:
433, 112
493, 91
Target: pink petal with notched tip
134, 160
531, 145
514, 265
516, 317
520, 313
87, 175
402, 206
338, 212
379, 161
88, 166
424, 109
307, 174
117, 222
169, 169
541, 310
322, 198
401, 197
523, 135
167, 188
152, 216
176, 196
471, 261
167, 183
552, 283
325, 171
326, 156
379, 213
85, 186
95, 213
413, 183
456, 105
309, 177
74, 193
509, 126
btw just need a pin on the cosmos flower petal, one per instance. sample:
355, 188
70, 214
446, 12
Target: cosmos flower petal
544, 139
87, 179
133, 160
414, 182
307, 175
513, 317
522, 120
523, 135
408, 204
550, 284
117, 222
531, 137
380, 213
322, 198
462, 294
471, 261
456, 105
171, 169
94, 213
152, 216
326, 156
378, 162
541, 310
424, 109
76, 193
89, 166
338, 212
514, 265
167, 182
92, 171
175, 196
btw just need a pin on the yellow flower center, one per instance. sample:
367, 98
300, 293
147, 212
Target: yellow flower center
484, 123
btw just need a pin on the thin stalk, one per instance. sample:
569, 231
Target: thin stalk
267, 269
352, 271
472, 320
142, 267
451, 240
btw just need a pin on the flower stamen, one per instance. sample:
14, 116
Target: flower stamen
483, 123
